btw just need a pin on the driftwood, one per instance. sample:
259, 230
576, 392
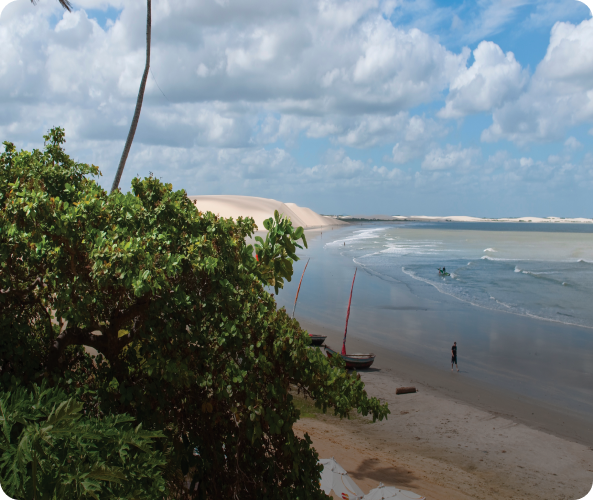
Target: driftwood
405, 390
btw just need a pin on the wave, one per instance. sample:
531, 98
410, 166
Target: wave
364, 234
490, 250
583, 261
510, 309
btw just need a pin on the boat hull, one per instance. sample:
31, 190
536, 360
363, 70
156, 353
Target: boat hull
317, 339
357, 361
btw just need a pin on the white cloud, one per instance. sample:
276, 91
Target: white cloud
572, 143
339, 169
451, 158
337, 165
559, 95
493, 79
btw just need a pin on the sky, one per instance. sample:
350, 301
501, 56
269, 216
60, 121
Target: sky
481, 108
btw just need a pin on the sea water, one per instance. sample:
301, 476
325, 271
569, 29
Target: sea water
543, 271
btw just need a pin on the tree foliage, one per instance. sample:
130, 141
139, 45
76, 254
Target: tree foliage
173, 300
276, 253
50, 451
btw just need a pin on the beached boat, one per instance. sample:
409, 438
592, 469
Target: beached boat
352, 360
317, 339
356, 361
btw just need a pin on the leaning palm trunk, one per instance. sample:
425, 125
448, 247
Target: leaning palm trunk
132, 132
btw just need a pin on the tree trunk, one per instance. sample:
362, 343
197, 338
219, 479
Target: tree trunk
124, 156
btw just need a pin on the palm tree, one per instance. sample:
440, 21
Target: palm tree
124, 155
64, 3
122, 162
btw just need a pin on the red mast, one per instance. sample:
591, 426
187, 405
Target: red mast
348, 315
299, 288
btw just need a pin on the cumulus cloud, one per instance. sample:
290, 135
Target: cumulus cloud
559, 94
451, 158
572, 143
246, 83
339, 168
493, 79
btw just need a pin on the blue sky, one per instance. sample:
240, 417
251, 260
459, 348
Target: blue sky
363, 106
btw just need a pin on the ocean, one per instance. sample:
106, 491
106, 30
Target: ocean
543, 271
517, 301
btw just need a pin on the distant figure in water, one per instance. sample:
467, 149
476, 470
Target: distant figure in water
454, 356
344, 243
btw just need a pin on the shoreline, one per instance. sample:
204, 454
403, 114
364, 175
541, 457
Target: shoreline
535, 414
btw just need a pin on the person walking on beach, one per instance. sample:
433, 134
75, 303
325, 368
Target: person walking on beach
454, 356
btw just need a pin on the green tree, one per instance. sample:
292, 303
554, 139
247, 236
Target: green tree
276, 253
51, 451
173, 300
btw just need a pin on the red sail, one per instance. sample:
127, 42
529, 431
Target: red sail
299, 288
348, 315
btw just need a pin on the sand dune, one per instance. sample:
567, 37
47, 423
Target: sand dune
463, 218
260, 209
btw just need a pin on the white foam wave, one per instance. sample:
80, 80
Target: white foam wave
490, 250
364, 234
517, 270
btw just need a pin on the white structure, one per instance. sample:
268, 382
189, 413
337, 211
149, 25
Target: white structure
335, 478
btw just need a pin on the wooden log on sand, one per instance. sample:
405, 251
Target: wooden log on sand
405, 390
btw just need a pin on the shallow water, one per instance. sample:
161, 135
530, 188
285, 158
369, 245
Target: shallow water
516, 341
545, 274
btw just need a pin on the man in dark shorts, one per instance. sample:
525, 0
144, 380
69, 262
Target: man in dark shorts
454, 356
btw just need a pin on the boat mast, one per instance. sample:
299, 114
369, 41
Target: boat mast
299, 288
348, 315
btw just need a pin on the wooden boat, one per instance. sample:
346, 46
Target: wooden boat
357, 361
317, 339
352, 360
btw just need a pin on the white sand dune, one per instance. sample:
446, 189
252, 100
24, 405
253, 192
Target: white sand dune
463, 218
261, 209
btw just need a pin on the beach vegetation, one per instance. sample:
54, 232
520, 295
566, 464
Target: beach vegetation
51, 451
140, 306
